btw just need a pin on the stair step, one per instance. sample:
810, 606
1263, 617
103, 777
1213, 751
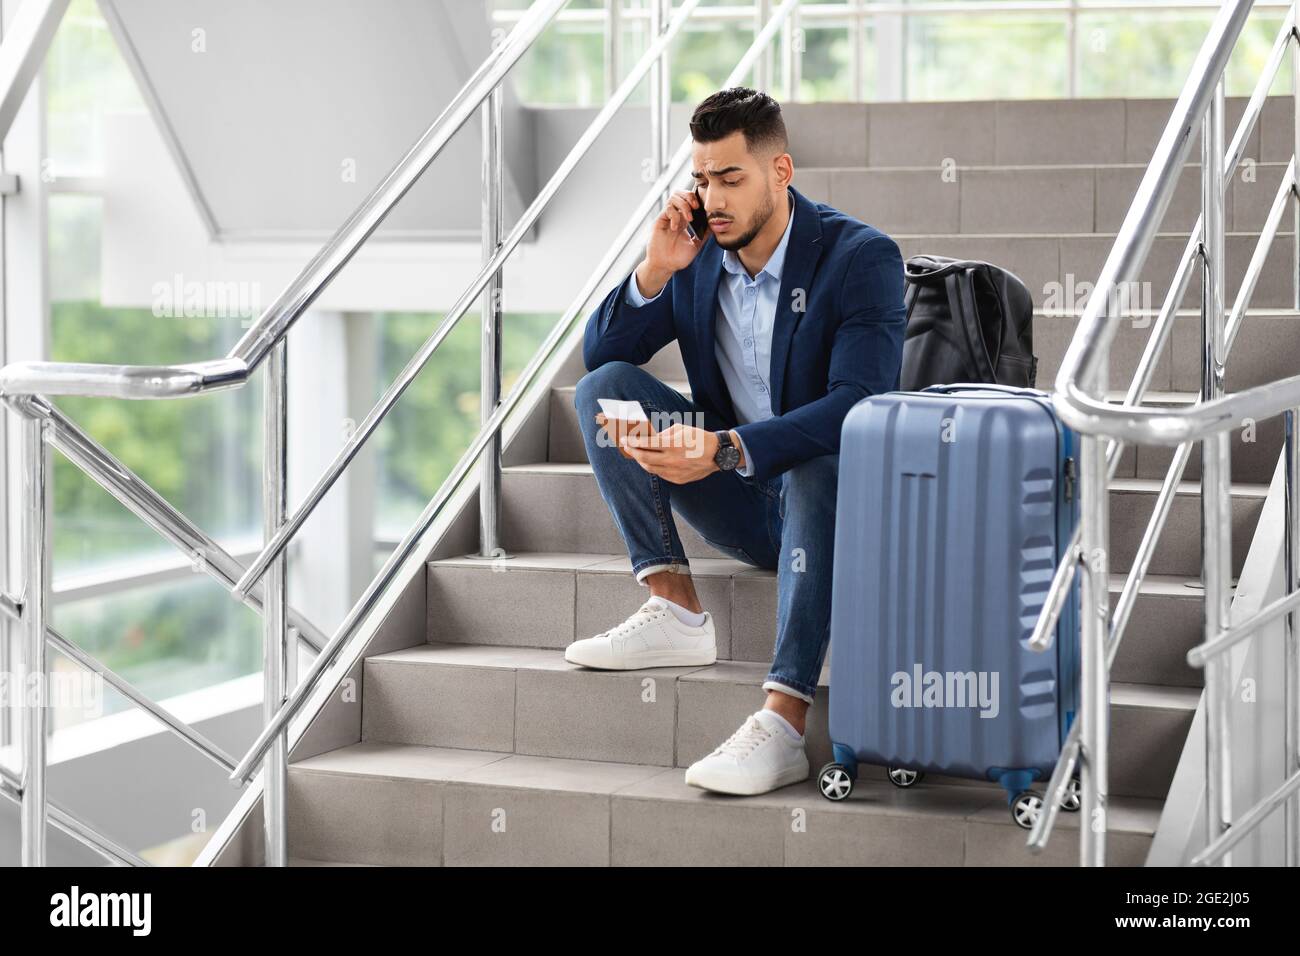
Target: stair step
549, 600
988, 132
1051, 264
1132, 501
303, 861
1050, 199
401, 804
532, 701
556, 506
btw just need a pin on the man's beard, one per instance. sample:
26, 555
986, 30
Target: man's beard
760, 221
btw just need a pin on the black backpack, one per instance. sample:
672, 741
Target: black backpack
967, 321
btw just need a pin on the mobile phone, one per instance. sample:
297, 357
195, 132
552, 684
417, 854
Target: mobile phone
699, 224
620, 410
623, 418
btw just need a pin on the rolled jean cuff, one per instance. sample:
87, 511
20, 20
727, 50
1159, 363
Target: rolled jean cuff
802, 691
672, 567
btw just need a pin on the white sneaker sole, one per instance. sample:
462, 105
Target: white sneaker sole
721, 782
600, 659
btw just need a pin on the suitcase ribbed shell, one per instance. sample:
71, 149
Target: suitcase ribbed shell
952, 512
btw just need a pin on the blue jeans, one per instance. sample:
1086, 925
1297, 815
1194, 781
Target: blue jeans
786, 524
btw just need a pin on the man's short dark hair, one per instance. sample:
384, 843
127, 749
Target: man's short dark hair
755, 114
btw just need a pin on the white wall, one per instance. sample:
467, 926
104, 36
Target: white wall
153, 232
287, 113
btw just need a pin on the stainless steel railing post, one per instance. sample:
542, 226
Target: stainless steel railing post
34, 711
763, 65
1094, 623
1215, 491
1291, 735
1094, 704
857, 48
489, 495
661, 95
1291, 568
275, 644
613, 45
792, 55
8, 665
1072, 49
1295, 148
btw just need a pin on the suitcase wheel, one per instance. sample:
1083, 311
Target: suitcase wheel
835, 781
1025, 808
1072, 800
902, 777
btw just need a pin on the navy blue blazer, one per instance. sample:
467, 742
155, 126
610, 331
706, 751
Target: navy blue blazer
837, 336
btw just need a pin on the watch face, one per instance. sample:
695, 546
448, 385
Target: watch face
728, 457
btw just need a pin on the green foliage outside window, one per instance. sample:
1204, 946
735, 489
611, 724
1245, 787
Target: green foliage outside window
434, 422
202, 454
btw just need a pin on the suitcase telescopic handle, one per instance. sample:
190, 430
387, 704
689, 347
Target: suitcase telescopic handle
988, 387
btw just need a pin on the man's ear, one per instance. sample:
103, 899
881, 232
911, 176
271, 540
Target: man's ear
783, 169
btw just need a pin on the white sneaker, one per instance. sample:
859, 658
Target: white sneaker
759, 757
651, 637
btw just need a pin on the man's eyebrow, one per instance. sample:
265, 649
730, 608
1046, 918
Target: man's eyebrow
719, 172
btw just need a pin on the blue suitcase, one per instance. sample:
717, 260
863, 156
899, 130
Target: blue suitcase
954, 507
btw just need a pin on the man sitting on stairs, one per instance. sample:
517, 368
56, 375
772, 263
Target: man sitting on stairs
787, 318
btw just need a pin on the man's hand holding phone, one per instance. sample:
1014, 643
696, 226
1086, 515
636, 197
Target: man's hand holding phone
680, 453
671, 246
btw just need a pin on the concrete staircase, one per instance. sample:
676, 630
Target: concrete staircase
482, 746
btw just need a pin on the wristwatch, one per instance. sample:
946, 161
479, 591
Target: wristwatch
727, 457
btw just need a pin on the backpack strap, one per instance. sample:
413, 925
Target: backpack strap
961, 303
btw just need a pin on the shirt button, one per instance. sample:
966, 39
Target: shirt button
749, 291
762, 388
749, 341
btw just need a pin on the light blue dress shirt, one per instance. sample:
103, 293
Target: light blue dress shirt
747, 309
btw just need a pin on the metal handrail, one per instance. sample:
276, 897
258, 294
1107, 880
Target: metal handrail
1080, 402
544, 355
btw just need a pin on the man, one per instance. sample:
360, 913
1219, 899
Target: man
787, 315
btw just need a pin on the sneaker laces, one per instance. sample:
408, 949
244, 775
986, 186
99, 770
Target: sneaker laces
646, 612
743, 741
